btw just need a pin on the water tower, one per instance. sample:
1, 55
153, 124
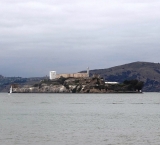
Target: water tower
52, 75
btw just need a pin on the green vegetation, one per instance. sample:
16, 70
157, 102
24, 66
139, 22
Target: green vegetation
133, 85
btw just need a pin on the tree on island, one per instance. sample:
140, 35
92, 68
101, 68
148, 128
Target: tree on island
134, 84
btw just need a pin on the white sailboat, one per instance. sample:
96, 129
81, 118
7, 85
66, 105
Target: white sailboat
10, 91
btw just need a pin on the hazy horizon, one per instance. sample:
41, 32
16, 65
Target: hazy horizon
47, 75
68, 36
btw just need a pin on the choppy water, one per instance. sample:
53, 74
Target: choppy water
80, 119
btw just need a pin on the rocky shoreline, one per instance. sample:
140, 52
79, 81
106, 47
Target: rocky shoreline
94, 84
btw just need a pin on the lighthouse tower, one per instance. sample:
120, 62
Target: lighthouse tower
88, 71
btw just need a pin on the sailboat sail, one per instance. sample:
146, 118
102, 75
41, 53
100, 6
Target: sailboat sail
10, 91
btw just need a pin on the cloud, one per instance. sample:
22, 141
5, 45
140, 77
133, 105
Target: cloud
41, 35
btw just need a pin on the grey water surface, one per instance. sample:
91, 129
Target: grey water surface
80, 119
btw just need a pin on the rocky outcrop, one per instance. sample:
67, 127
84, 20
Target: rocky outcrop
43, 89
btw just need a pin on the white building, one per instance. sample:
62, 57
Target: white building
112, 83
52, 75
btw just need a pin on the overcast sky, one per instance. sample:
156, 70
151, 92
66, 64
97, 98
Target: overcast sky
37, 36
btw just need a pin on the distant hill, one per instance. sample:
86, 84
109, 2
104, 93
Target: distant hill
147, 72
5, 82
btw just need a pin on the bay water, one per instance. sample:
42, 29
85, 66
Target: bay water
80, 119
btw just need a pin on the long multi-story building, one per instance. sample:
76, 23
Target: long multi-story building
53, 75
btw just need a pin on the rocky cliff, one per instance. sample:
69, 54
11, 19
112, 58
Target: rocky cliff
43, 89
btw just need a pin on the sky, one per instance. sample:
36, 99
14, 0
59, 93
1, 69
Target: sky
67, 36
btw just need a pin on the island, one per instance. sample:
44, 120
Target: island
94, 84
